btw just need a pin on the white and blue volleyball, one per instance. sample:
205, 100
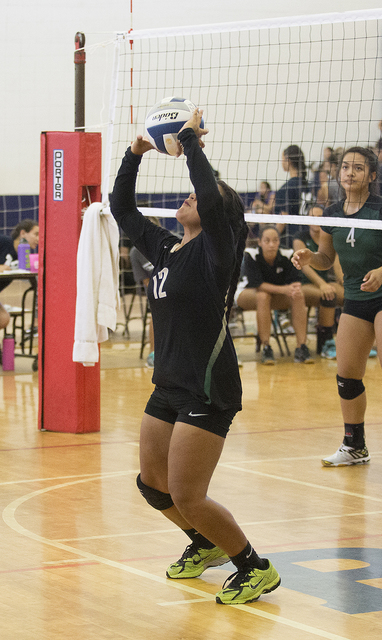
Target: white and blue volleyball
164, 121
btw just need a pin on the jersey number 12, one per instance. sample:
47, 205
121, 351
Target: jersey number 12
158, 291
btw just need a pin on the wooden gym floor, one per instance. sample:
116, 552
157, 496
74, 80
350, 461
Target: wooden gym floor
84, 557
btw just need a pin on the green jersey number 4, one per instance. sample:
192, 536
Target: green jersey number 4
351, 239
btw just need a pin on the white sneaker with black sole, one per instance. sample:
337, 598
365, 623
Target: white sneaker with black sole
346, 456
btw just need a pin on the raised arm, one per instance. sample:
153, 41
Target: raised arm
214, 220
141, 231
201, 175
123, 205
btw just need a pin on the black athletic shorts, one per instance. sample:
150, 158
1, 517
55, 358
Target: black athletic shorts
363, 309
179, 405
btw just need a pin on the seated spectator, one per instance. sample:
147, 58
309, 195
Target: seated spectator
264, 199
270, 281
319, 291
290, 196
26, 230
263, 202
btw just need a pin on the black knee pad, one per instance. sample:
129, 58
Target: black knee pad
331, 304
349, 388
155, 498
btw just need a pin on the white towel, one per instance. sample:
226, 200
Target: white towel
97, 283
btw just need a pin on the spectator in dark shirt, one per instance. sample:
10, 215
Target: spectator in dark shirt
290, 195
27, 230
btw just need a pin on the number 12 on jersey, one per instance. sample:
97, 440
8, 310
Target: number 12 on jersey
160, 279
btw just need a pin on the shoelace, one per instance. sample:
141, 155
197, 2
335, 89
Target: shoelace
235, 579
189, 551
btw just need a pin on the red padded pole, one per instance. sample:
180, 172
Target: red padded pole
69, 393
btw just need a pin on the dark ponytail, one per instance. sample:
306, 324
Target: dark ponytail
296, 157
234, 209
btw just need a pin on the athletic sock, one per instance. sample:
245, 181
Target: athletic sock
200, 541
248, 559
354, 435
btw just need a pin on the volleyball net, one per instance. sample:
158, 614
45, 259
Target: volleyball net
313, 81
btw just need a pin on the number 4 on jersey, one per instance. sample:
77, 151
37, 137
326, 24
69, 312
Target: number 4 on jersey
351, 239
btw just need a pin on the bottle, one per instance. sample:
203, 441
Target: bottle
23, 252
8, 353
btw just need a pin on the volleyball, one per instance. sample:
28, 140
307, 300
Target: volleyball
164, 121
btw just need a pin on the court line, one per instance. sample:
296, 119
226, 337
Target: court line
293, 429
241, 524
126, 472
292, 459
61, 562
269, 616
9, 517
171, 604
105, 474
300, 482
134, 443
111, 474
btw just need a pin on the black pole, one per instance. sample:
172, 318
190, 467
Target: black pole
79, 80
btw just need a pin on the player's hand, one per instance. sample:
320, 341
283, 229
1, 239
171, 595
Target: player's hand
327, 291
302, 258
372, 280
193, 123
294, 290
141, 145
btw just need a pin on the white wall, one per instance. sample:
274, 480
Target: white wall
37, 70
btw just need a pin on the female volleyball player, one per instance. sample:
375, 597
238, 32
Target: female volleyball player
198, 389
360, 255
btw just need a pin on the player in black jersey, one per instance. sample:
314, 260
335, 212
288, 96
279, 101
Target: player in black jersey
270, 281
360, 255
198, 388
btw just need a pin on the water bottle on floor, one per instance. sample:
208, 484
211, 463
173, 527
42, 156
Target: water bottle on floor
8, 353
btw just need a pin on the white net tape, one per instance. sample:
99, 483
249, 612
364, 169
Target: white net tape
263, 218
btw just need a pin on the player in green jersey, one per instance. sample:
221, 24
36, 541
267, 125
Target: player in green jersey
360, 255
